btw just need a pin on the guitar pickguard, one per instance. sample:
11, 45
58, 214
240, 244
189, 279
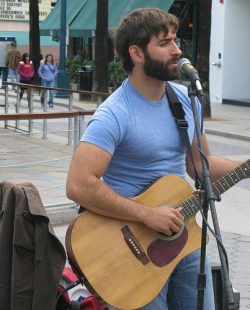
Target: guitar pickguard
163, 252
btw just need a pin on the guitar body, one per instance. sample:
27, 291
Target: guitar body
98, 251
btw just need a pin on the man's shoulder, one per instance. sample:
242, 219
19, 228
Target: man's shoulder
180, 90
118, 97
178, 87
115, 105
9, 51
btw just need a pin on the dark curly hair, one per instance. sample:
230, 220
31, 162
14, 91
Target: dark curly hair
137, 28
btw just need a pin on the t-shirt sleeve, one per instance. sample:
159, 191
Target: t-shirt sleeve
107, 128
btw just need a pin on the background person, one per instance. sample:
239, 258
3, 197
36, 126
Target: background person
26, 72
47, 72
79, 56
133, 139
41, 55
12, 60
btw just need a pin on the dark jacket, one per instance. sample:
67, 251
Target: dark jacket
32, 258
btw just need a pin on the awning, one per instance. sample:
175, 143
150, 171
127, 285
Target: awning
81, 15
51, 25
85, 22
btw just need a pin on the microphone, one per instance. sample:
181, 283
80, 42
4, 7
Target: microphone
185, 66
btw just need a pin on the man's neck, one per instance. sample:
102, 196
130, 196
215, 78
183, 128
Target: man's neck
150, 88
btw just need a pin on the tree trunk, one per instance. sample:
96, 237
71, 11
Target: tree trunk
100, 74
203, 49
34, 37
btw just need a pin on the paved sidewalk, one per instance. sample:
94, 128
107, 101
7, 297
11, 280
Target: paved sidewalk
52, 158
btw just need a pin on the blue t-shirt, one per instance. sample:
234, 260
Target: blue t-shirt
142, 137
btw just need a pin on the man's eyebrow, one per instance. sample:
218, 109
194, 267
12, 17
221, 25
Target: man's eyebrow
167, 39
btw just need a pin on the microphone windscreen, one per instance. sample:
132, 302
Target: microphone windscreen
182, 62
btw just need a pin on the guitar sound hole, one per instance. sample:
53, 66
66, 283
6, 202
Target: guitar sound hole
163, 236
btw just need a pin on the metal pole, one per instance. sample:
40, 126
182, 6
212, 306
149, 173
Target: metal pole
45, 110
63, 78
99, 101
18, 105
76, 131
70, 121
62, 35
6, 103
31, 108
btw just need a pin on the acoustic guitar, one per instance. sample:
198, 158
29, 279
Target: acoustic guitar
126, 264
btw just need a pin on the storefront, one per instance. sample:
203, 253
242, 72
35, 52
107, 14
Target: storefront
14, 22
81, 22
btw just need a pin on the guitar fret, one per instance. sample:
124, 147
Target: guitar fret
215, 189
191, 205
225, 184
243, 171
232, 178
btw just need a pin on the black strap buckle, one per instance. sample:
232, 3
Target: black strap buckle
182, 123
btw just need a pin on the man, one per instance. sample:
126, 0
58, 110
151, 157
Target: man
133, 139
79, 56
13, 57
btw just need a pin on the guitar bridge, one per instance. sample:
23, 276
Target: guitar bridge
134, 245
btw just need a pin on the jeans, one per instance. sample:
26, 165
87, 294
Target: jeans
13, 74
180, 291
51, 92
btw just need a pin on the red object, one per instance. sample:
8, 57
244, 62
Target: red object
27, 67
221, 1
89, 303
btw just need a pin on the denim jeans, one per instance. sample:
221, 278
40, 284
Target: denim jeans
51, 92
13, 74
180, 291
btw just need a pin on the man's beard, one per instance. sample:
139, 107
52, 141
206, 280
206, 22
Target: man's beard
159, 70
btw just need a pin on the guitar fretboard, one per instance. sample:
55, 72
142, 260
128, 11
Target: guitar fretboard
191, 205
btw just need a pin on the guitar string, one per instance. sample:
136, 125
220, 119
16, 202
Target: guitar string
188, 205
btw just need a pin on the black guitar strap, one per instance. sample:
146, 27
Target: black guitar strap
179, 115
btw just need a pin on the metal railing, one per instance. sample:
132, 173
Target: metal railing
77, 116
75, 123
45, 106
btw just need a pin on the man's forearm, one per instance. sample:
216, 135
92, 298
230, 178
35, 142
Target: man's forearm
98, 197
219, 166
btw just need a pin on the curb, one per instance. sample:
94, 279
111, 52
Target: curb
62, 215
227, 134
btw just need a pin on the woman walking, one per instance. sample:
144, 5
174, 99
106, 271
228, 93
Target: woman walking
26, 72
47, 72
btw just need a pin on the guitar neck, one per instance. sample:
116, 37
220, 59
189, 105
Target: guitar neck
191, 205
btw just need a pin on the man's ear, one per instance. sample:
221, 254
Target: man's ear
136, 54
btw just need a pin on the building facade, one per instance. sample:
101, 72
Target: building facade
14, 22
229, 52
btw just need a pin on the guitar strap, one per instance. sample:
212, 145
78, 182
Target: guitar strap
179, 116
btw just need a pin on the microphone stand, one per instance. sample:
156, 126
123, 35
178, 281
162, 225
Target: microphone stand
208, 199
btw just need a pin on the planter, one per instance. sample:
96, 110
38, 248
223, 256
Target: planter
74, 86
